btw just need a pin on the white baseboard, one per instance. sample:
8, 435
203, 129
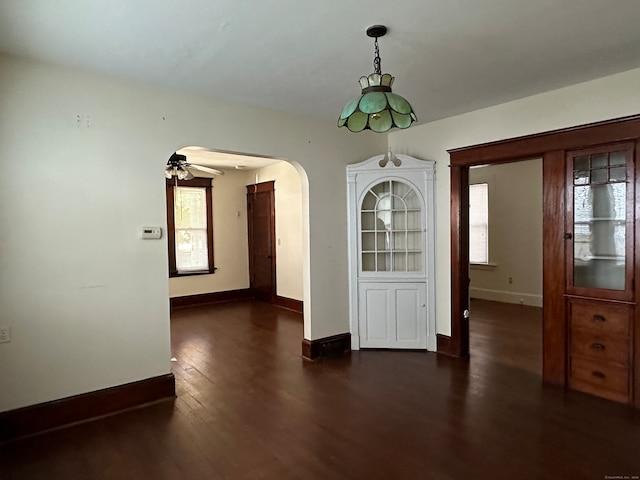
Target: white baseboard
506, 297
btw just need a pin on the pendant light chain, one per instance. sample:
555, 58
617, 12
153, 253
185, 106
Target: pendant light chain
377, 68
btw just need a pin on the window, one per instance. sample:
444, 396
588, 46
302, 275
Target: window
190, 227
479, 223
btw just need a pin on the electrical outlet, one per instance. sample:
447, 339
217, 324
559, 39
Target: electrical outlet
5, 334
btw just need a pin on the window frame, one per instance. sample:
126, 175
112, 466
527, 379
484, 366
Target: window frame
487, 263
171, 232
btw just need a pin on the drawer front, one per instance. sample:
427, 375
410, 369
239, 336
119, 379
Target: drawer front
599, 346
598, 378
607, 318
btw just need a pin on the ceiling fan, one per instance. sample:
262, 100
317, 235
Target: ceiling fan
179, 168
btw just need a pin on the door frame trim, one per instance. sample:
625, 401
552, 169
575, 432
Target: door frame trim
551, 147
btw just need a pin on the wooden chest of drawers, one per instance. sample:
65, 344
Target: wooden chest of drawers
600, 348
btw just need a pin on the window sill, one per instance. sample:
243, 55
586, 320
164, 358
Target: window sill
483, 266
192, 274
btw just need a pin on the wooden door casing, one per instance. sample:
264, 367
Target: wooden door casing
551, 147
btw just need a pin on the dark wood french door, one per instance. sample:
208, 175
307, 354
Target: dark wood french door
261, 233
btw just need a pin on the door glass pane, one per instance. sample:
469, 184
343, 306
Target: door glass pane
599, 217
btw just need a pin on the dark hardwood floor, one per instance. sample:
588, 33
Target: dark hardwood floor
507, 334
249, 407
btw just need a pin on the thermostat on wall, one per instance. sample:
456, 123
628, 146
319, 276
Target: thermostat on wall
150, 233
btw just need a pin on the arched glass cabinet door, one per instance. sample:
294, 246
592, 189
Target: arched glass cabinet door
391, 231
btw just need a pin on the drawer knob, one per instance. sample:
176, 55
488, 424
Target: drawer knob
599, 318
598, 374
597, 346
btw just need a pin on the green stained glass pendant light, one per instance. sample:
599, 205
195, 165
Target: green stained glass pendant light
378, 108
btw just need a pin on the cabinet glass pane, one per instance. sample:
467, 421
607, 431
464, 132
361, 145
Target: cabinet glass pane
368, 262
369, 202
400, 262
368, 220
599, 160
414, 240
401, 189
618, 174
381, 189
414, 260
599, 176
384, 262
599, 217
413, 220
617, 159
384, 240
412, 200
368, 241
581, 163
391, 228
399, 240
400, 220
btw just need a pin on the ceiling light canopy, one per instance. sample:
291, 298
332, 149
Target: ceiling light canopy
378, 108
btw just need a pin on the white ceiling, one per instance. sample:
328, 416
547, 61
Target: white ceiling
223, 160
305, 57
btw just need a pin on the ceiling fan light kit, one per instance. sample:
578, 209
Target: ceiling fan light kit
178, 168
377, 108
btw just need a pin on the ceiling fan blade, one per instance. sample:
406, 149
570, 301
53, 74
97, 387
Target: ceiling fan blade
213, 171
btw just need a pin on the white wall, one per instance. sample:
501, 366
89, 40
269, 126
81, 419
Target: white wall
86, 299
288, 206
515, 234
602, 99
229, 241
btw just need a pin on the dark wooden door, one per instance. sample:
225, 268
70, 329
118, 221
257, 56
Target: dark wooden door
262, 253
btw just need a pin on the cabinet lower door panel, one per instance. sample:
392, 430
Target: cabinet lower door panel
392, 315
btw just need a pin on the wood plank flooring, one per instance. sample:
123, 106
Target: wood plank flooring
507, 334
249, 407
